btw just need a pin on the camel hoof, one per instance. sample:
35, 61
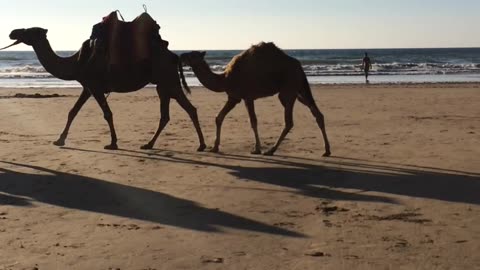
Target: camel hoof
269, 152
146, 147
214, 150
327, 154
256, 152
111, 147
59, 143
201, 148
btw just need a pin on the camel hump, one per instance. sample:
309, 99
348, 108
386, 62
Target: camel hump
262, 58
265, 48
263, 51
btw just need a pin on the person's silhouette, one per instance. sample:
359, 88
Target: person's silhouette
366, 66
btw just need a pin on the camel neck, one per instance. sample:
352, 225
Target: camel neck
61, 67
212, 81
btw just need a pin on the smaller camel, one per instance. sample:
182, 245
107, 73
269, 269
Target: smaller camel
261, 71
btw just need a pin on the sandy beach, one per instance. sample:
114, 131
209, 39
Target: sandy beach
401, 191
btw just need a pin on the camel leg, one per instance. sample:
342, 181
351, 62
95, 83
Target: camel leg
71, 115
107, 114
320, 121
231, 103
287, 103
192, 112
253, 122
164, 118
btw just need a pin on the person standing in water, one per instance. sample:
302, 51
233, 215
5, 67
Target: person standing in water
366, 66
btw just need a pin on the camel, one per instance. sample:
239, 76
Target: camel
261, 71
161, 69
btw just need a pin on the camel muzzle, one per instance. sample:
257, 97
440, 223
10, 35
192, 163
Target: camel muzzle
17, 33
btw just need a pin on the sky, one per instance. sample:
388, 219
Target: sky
234, 24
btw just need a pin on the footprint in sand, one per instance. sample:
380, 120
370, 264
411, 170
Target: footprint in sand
130, 227
351, 257
328, 209
284, 224
317, 253
207, 259
399, 243
405, 217
297, 214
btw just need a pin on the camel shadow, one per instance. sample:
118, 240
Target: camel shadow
95, 195
324, 178
325, 181
296, 178
362, 175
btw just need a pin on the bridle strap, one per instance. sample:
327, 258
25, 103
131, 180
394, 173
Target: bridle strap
13, 44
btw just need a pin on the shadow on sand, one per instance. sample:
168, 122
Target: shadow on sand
99, 196
320, 180
316, 178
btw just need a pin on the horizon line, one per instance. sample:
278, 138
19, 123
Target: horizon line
380, 48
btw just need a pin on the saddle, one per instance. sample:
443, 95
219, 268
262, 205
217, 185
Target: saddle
126, 43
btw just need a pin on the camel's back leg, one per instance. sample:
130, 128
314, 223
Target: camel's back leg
192, 112
71, 116
164, 116
287, 100
165, 73
107, 114
307, 100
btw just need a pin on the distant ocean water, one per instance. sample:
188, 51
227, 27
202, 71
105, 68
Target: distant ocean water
22, 69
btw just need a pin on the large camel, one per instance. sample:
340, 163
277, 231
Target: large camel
261, 71
161, 69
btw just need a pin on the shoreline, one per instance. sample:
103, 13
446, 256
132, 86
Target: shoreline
334, 85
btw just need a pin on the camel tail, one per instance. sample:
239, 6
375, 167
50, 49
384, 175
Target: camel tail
305, 93
182, 76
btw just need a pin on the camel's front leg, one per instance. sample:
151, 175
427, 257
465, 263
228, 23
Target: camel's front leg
107, 114
253, 122
71, 115
164, 117
231, 103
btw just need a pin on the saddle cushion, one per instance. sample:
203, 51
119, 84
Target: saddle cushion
129, 43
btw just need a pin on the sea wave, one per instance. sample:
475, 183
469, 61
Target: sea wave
377, 69
315, 62
33, 71
9, 58
23, 69
28, 71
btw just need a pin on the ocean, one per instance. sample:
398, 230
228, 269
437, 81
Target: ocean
21, 68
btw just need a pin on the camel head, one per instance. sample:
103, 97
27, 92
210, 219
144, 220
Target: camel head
29, 36
193, 58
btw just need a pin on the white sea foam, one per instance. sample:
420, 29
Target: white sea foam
332, 66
